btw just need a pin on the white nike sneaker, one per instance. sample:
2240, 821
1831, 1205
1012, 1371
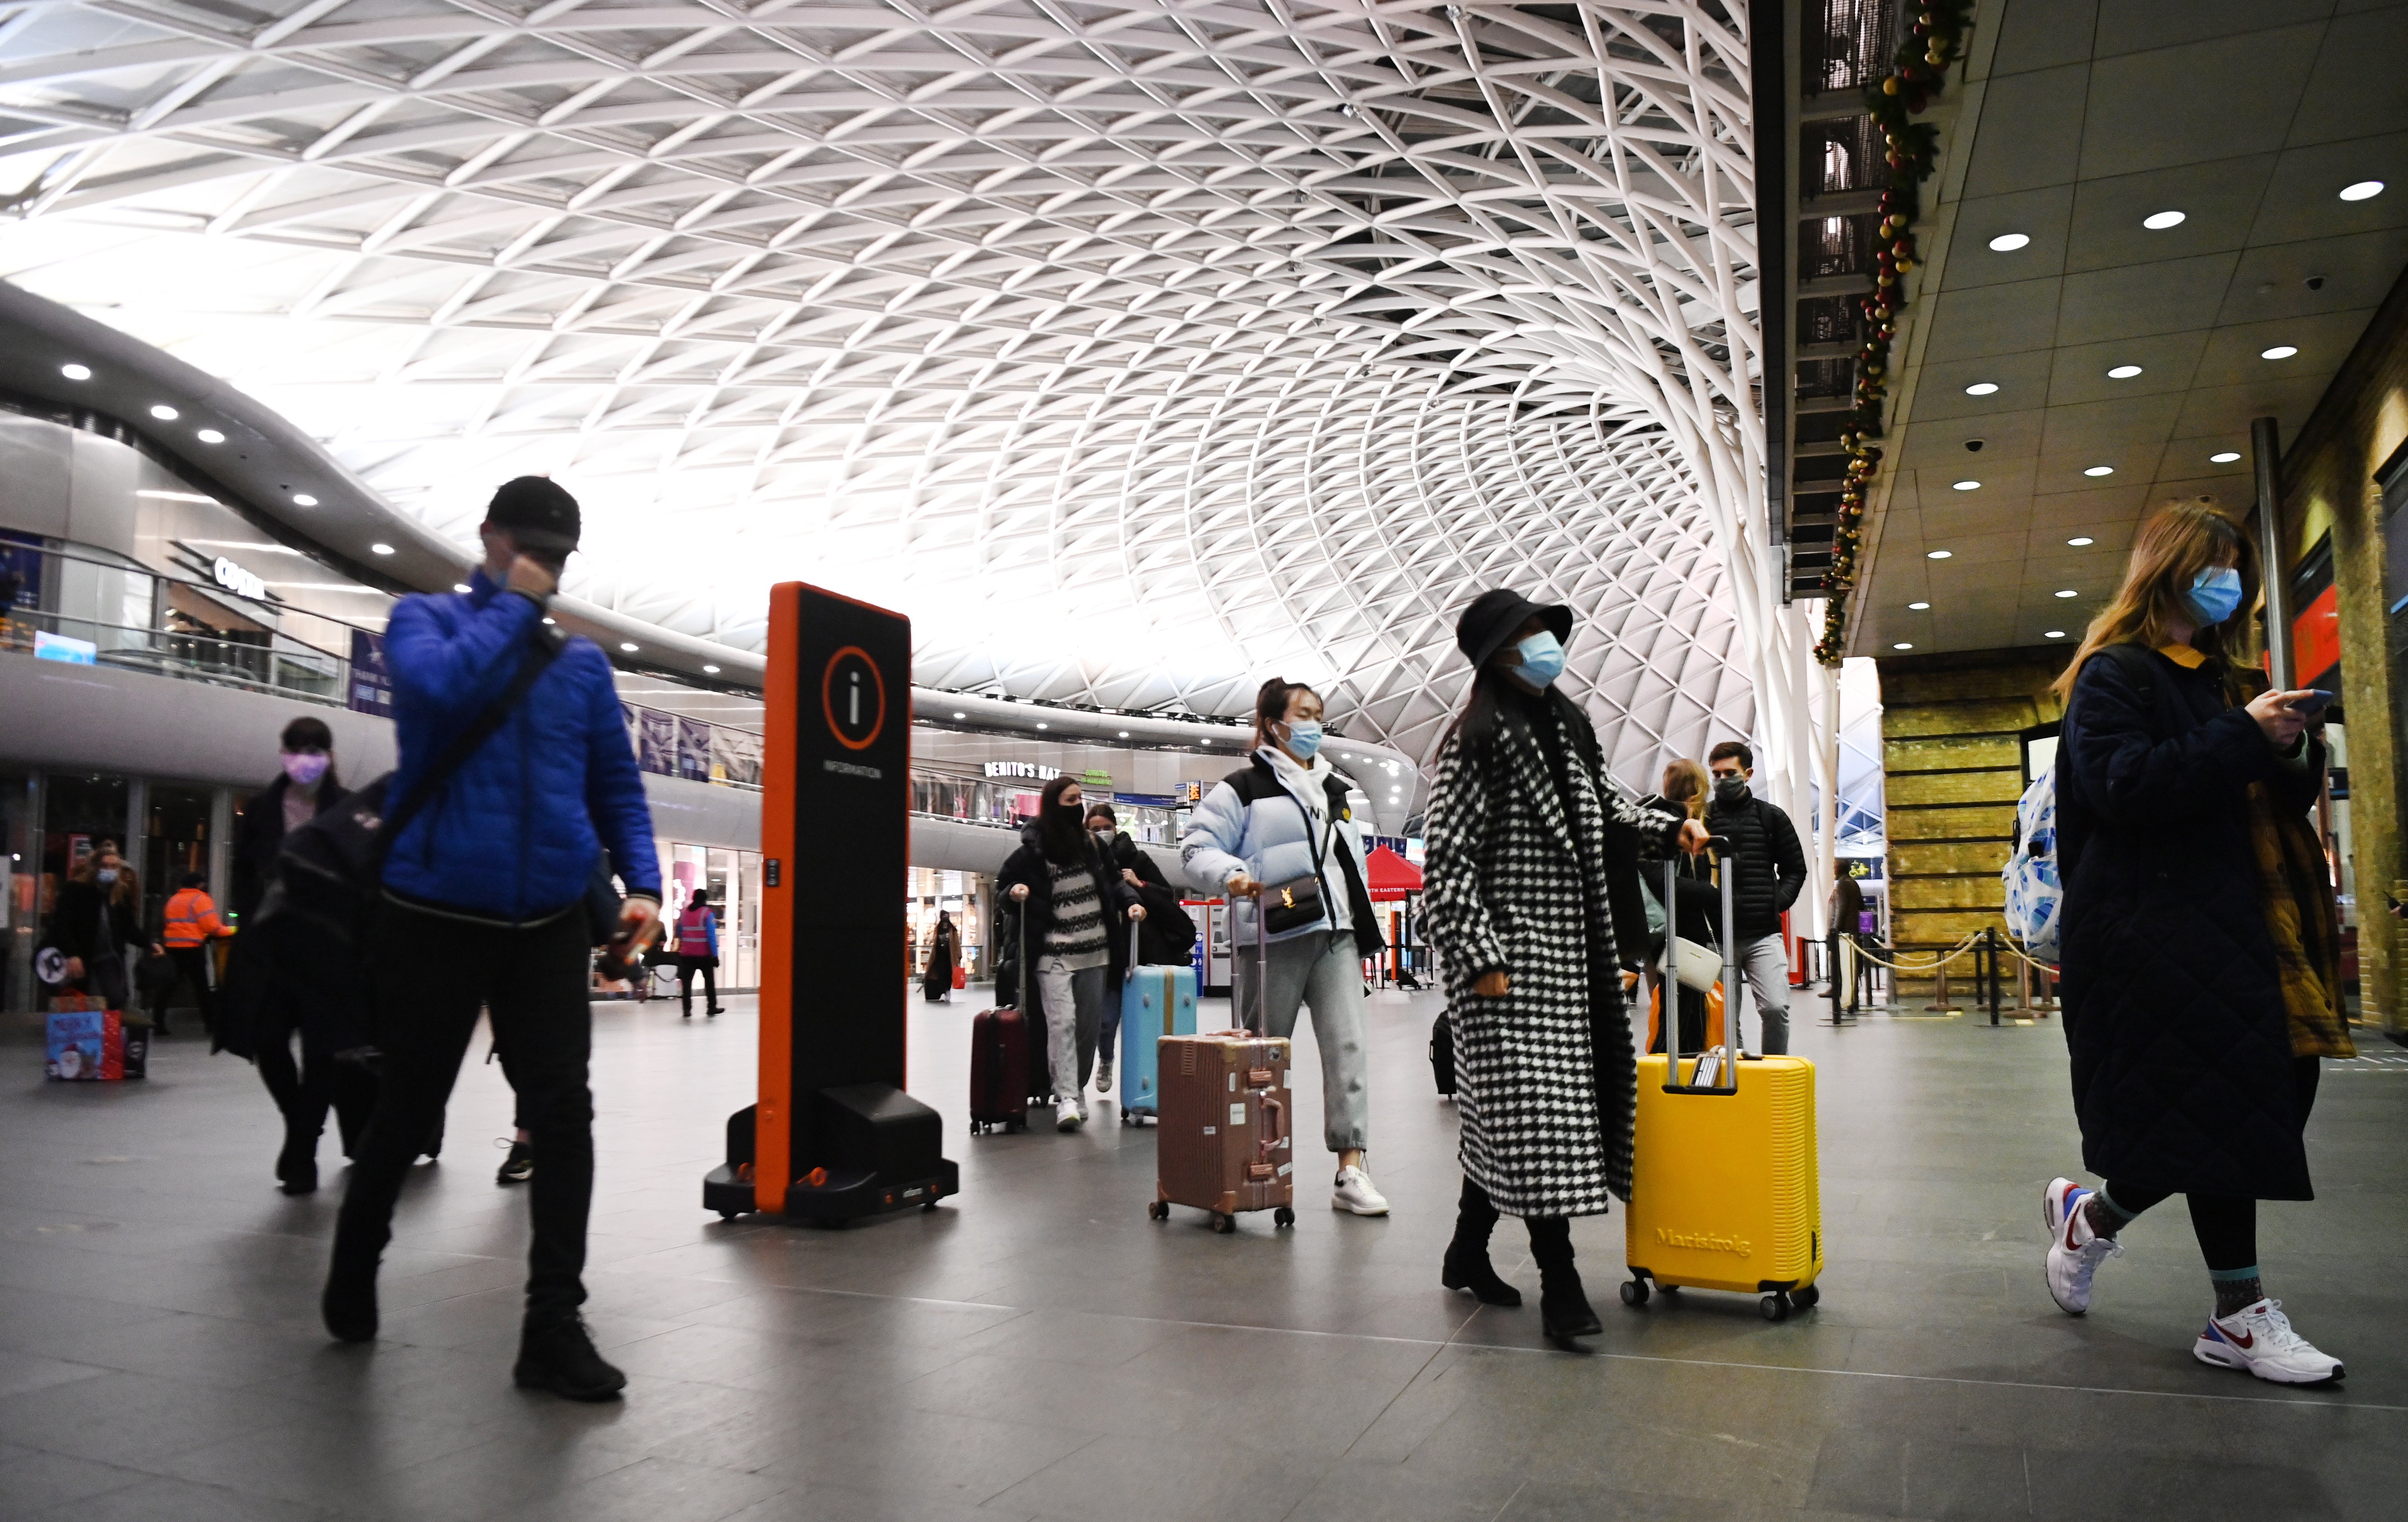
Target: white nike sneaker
2260, 1338
1354, 1192
1104, 1076
1069, 1114
2074, 1250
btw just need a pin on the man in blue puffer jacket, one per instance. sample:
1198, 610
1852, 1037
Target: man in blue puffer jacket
485, 905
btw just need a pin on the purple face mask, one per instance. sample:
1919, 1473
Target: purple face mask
306, 767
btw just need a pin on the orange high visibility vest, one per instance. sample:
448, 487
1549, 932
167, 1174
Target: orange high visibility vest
192, 919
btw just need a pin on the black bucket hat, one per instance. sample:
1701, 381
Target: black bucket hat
1493, 617
538, 513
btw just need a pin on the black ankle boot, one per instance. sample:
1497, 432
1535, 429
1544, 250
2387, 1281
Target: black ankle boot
297, 1166
1564, 1310
349, 1303
559, 1357
1467, 1265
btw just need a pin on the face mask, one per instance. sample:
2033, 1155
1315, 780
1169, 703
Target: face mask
1105, 831
306, 766
2216, 595
1542, 659
1730, 790
1303, 738
106, 874
1075, 813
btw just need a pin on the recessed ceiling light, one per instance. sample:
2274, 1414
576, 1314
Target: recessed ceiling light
2069, 592
550, 621
2365, 189
459, 586
1982, 388
2123, 372
1902, 645
2280, 351
2224, 457
1969, 486
628, 646
83, 372
2157, 221
961, 716
1124, 734
2009, 242
1040, 726
2100, 470
382, 550
210, 435
164, 412
1938, 554
2057, 633
2078, 541
303, 499
712, 670
1916, 607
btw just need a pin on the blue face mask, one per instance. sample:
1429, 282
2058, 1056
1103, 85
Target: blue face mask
2216, 595
1303, 738
1541, 658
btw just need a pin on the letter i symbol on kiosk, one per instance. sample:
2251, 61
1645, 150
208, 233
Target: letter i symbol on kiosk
853, 716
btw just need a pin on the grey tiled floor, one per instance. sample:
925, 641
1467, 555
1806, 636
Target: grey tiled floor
1040, 1348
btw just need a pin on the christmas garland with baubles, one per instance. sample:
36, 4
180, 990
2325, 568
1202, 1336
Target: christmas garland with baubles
1917, 75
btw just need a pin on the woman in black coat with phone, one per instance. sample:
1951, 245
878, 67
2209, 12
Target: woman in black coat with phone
2200, 947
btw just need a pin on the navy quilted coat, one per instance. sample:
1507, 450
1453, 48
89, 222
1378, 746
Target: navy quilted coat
514, 834
2182, 1054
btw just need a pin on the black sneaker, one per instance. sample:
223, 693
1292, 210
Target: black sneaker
519, 1166
348, 1306
559, 1357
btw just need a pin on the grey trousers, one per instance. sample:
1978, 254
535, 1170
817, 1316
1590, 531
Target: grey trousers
1322, 970
1765, 965
1070, 1043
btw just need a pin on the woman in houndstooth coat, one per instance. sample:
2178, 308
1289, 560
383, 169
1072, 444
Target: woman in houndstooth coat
1530, 843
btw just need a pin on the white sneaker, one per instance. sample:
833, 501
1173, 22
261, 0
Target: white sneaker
1068, 1117
1104, 1076
2260, 1338
1354, 1192
2074, 1250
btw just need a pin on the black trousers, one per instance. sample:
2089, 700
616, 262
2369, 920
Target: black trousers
431, 973
192, 966
305, 1091
2225, 1224
687, 967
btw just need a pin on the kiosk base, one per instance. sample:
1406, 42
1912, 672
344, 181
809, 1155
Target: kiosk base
871, 1148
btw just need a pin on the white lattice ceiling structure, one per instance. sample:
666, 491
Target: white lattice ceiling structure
1137, 349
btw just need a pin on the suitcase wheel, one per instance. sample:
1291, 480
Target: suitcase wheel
1805, 1298
1223, 1224
1283, 1217
1776, 1305
1159, 1210
1634, 1292
730, 1215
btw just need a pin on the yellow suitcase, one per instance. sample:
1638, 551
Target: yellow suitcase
1725, 1189
1724, 1192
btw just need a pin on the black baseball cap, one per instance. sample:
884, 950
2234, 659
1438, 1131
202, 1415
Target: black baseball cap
538, 513
1493, 617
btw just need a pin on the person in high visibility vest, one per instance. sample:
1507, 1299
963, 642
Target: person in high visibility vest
191, 924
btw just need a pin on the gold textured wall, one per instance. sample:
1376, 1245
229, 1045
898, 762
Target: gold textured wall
1951, 759
2328, 477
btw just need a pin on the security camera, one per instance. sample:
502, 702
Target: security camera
1974, 445
2315, 282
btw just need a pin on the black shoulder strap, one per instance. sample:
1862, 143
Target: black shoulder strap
544, 647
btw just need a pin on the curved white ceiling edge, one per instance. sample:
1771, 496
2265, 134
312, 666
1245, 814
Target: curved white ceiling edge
1137, 354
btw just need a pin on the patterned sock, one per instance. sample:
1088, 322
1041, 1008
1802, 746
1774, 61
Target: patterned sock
2104, 1216
2236, 1288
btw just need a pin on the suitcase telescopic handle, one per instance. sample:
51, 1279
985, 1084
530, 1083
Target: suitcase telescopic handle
1128, 973
1667, 990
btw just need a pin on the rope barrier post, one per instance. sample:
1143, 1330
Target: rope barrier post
1832, 972
1990, 982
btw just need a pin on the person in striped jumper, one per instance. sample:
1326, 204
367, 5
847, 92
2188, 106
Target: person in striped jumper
1077, 911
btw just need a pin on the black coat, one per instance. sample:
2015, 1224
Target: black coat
1698, 899
1771, 865
1028, 865
2182, 1074
1166, 936
259, 834
76, 918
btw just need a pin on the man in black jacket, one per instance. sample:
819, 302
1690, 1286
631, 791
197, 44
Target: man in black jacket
1771, 870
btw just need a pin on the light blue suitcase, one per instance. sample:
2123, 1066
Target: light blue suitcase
1155, 1002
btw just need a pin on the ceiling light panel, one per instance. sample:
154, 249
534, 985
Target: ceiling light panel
1100, 339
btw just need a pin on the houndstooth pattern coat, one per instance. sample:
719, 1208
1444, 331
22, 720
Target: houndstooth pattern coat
1546, 1086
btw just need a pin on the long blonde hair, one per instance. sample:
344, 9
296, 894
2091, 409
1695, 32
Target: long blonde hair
2183, 539
1685, 783
128, 887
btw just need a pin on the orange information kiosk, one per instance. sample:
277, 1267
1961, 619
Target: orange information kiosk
833, 1135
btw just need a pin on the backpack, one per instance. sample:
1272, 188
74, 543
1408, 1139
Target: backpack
2035, 888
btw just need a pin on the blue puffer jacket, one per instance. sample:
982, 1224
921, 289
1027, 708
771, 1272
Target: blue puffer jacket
514, 834
1264, 836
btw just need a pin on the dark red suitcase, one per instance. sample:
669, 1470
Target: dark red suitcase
1000, 1070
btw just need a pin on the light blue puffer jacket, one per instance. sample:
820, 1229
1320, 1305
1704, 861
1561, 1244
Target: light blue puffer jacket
514, 835
1266, 839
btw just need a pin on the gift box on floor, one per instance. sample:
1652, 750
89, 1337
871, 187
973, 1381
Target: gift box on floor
92, 1043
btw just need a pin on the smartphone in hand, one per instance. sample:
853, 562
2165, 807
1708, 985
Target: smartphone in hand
2312, 704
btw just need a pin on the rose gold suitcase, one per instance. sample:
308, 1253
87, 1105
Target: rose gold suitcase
1223, 1142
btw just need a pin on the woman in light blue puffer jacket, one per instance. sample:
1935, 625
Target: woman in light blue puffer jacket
1282, 818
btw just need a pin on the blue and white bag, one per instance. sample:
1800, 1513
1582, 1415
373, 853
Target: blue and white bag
2035, 896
